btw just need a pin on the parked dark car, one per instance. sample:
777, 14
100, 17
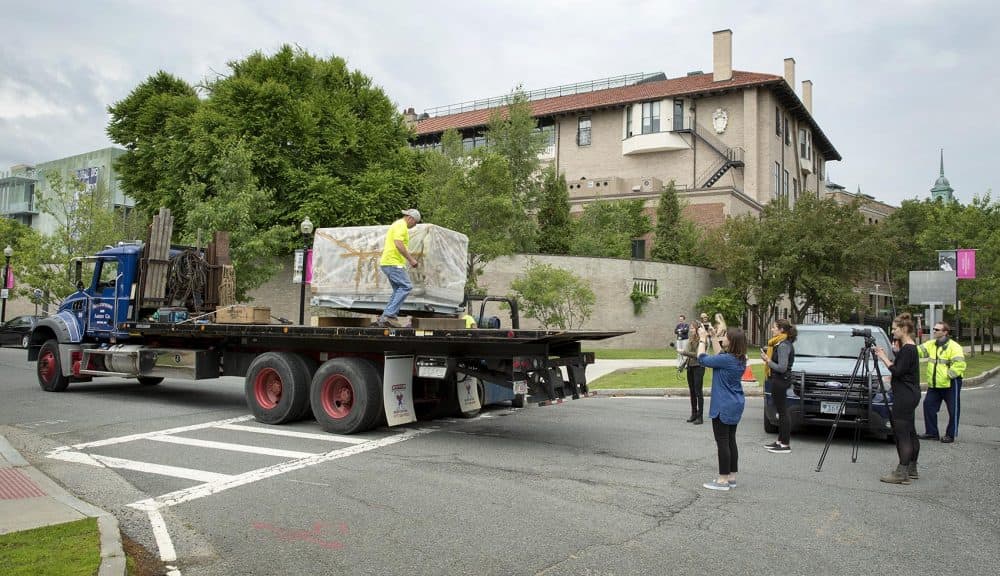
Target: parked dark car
17, 330
825, 357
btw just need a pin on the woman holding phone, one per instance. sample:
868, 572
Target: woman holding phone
778, 358
727, 401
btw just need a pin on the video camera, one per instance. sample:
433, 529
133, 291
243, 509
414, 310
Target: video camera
866, 332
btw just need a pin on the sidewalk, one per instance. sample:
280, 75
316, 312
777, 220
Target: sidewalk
30, 499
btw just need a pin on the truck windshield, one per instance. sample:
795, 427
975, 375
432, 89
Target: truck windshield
835, 344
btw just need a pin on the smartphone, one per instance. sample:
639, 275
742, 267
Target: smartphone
763, 350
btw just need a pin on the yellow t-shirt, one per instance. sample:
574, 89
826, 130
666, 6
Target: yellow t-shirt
390, 254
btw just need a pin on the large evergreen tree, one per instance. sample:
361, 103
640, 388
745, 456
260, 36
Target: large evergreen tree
555, 226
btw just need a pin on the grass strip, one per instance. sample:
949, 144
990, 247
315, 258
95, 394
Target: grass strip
70, 549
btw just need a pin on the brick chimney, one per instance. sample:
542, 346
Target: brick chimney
790, 72
807, 95
410, 116
722, 55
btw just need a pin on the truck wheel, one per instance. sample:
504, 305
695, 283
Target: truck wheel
49, 370
149, 380
277, 387
346, 395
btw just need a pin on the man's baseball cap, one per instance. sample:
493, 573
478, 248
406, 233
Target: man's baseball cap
412, 213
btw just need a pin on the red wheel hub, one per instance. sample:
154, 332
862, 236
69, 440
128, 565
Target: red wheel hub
337, 396
47, 366
267, 388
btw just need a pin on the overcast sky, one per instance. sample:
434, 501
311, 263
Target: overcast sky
894, 81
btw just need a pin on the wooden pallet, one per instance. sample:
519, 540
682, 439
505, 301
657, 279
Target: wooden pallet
155, 261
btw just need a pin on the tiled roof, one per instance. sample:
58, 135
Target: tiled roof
683, 86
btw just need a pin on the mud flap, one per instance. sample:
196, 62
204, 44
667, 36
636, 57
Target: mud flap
397, 390
467, 390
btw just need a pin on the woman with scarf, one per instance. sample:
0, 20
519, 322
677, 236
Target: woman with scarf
695, 377
727, 403
778, 358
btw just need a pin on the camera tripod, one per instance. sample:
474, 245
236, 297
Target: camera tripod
860, 369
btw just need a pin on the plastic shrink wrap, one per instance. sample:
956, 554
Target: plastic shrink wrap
346, 272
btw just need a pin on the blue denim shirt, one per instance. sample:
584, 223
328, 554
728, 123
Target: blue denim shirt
727, 391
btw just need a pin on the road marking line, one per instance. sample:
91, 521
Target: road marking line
144, 435
232, 447
161, 469
293, 434
210, 488
163, 541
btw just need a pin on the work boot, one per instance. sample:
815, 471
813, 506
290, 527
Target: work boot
911, 471
692, 418
899, 475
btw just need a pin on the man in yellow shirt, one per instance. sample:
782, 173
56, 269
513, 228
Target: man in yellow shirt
395, 256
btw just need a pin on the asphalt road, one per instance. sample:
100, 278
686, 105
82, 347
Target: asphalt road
596, 486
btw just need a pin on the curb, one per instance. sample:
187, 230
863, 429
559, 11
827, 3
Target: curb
112, 553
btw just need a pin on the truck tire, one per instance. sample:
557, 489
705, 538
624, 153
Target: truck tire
149, 380
277, 387
49, 369
346, 395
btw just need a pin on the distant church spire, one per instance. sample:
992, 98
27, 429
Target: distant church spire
942, 188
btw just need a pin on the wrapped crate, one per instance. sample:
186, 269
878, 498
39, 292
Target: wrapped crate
346, 272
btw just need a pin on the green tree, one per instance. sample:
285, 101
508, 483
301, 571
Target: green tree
237, 207
325, 139
555, 226
555, 297
607, 228
668, 218
727, 301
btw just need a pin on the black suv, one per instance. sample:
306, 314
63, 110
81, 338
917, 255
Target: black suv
825, 357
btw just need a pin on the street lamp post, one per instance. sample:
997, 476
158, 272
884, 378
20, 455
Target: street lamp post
306, 228
7, 253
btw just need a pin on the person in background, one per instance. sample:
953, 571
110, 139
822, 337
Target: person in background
703, 321
395, 255
727, 402
681, 331
778, 359
718, 332
695, 378
905, 386
945, 368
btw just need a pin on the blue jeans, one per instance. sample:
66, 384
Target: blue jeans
401, 288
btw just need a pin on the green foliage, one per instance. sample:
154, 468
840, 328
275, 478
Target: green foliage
814, 253
555, 297
487, 193
668, 217
323, 138
239, 206
640, 299
607, 228
555, 227
727, 301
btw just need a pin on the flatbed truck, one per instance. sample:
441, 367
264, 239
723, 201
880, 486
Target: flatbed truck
351, 379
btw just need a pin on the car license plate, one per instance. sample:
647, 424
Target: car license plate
520, 387
829, 407
432, 371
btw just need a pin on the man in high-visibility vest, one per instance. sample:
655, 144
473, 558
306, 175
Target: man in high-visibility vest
945, 367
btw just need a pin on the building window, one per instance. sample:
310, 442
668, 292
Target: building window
645, 286
777, 121
788, 137
795, 189
583, 131
784, 184
650, 117
776, 180
678, 114
628, 121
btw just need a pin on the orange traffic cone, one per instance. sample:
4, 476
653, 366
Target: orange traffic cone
748, 378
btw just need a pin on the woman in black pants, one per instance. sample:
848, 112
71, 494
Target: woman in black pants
905, 370
778, 359
695, 378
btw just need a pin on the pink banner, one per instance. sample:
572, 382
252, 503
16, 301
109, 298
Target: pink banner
966, 264
9, 281
309, 266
